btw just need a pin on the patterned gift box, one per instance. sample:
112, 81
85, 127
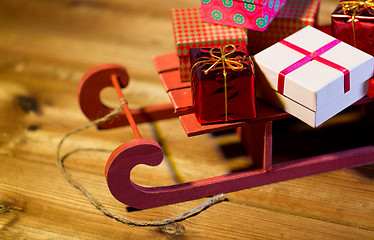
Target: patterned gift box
294, 16
353, 23
312, 75
249, 14
191, 32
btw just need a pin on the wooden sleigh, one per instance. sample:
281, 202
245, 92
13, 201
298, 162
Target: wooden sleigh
256, 136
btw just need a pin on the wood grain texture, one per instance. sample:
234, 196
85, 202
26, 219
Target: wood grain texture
47, 46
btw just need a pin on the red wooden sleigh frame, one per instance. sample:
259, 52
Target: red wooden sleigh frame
256, 135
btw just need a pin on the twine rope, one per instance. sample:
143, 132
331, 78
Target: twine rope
60, 163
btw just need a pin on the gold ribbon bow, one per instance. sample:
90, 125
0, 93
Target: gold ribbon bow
349, 6
227, 62
352, 7
231, 63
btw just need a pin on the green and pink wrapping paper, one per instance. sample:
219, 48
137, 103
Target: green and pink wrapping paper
191, 32
312, 75
249, 14
294, 16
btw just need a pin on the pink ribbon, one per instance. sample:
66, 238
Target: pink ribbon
310, 56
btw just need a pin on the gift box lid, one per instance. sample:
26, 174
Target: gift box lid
314, 83
191, 31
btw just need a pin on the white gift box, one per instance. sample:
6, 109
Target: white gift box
331, 75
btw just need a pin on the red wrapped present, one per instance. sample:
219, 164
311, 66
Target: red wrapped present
222, 84
353, 23
370, 93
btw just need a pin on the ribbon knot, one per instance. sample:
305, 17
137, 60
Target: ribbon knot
225, 60
313, 55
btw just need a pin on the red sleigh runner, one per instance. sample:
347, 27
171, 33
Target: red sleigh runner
256, 135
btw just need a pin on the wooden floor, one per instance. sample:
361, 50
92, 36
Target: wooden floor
46, 47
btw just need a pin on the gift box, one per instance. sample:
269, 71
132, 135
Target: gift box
353, 23
294, 16
312, 75
222, 84
249, 14
191, 32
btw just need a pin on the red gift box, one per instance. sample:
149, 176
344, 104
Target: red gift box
222, 84
353, 23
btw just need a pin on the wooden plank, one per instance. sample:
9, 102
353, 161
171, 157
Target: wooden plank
193, 128
181, 100
257, 140
166, 62
171, 81
167, 65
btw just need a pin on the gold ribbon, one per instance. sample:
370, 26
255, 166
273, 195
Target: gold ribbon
352, 7
349, 6
228, 62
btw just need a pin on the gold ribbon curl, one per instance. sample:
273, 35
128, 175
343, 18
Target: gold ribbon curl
352, 7
232, 63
